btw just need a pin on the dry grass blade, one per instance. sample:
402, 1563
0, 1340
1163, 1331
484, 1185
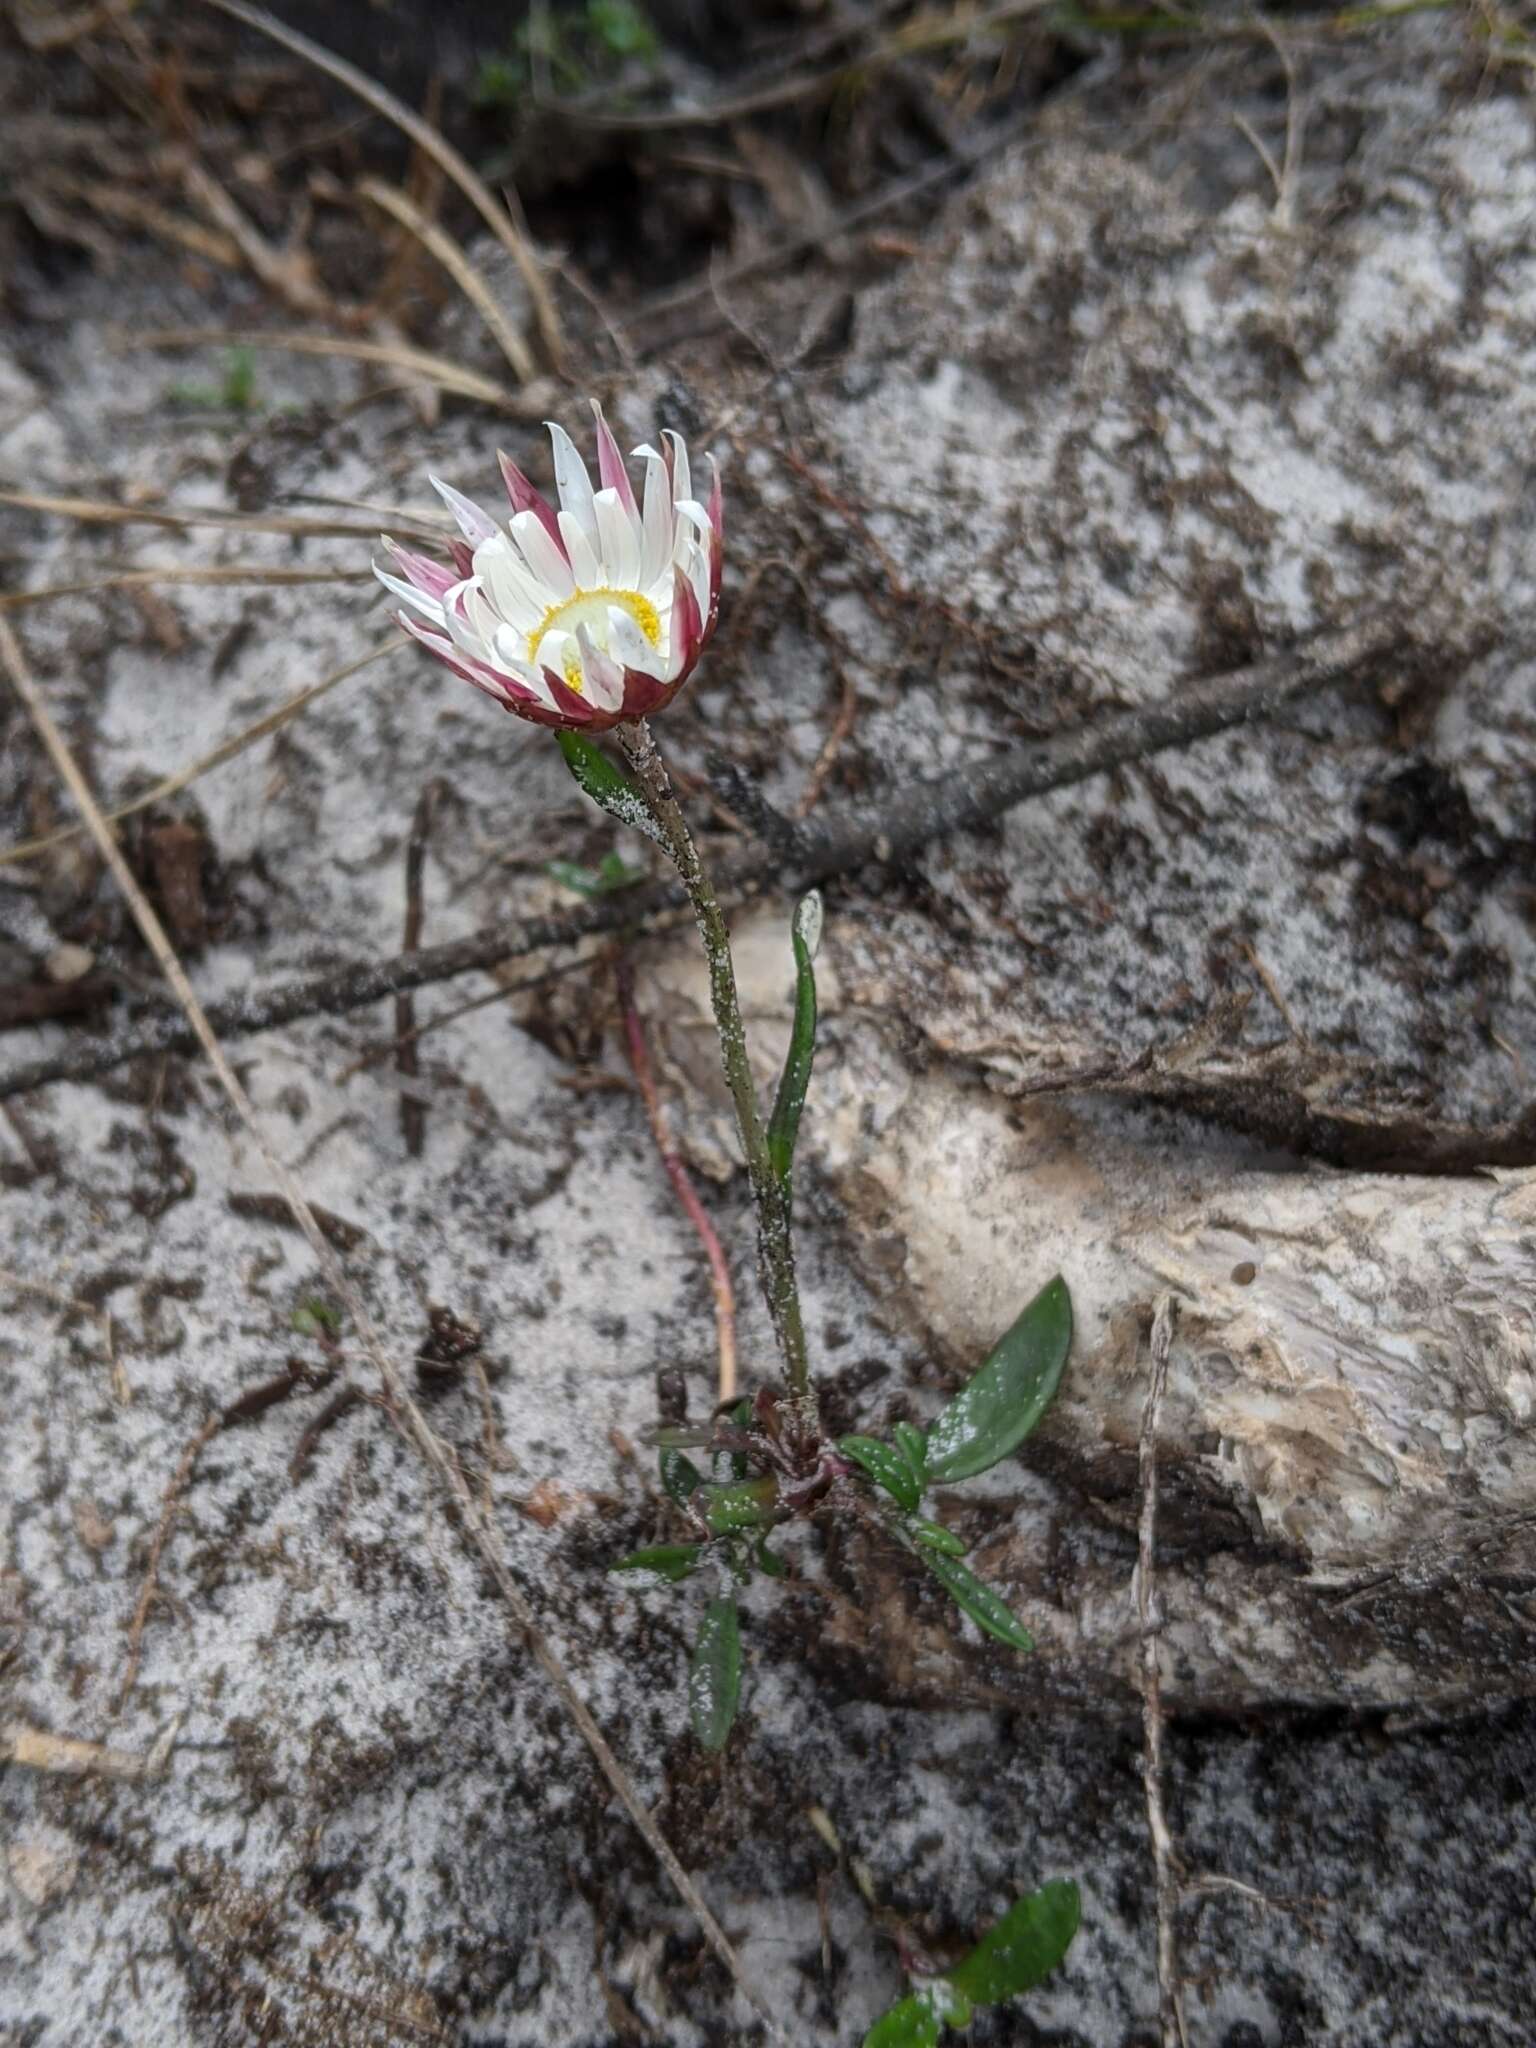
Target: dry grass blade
288, 274
404, 1409
436, 146
416, 362
116, 202
147, 578
226, 750
440, 244
102, 512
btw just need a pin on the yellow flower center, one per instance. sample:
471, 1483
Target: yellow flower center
590, 608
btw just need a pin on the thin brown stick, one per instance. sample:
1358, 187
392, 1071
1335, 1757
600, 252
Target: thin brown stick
148, 578
480, 1532
226, 750
831, 747
435, 145
1165, 1859
413, 1115
676, 1172
437, 241
416, 362
150, 1585
970, 793
102, 512
288, 274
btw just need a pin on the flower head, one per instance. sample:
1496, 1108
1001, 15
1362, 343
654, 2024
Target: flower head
580, 617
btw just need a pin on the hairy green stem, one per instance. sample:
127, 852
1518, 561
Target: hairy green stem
775, 1245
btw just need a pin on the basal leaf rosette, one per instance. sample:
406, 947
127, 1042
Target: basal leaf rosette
582, 617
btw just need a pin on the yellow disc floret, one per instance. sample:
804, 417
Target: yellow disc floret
590, 608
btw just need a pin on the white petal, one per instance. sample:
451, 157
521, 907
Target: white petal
556, 650
474, 524
512, 589
418, 600
691, 510
463, 630
604, 677
656, 525
549, 566
696, 569
572, 480
682, 480
585, 565
621, 543
509, 656
628, 644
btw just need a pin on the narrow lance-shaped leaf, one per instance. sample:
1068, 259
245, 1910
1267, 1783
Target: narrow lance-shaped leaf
784, 1124
933, 1536
680, 1477
1024, 1946
913, 1446
714, 1677
978, 1600
886, 1467
606, 785
994, 1412
672, 1561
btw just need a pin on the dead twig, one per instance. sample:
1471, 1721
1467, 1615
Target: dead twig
1165, 1860
831, 746
481, 1533
289, 275
147, 578
150, 1585
413, 1115
676, 1172
414, 362
435, 145
102, 512
964, 797
226, 750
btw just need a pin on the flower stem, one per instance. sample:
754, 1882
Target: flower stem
775, 1246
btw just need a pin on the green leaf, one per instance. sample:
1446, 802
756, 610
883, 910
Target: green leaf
784, 1124
768, 1561
994, 1412
933, 1536
714, 1677
747, 1504
886, 1467
673, 1561
607, 785
1025, 1945
912, 2024
680, 1477
979, 1601
913, 1446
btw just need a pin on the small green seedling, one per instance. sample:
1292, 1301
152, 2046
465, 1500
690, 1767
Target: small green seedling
1012, 1957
